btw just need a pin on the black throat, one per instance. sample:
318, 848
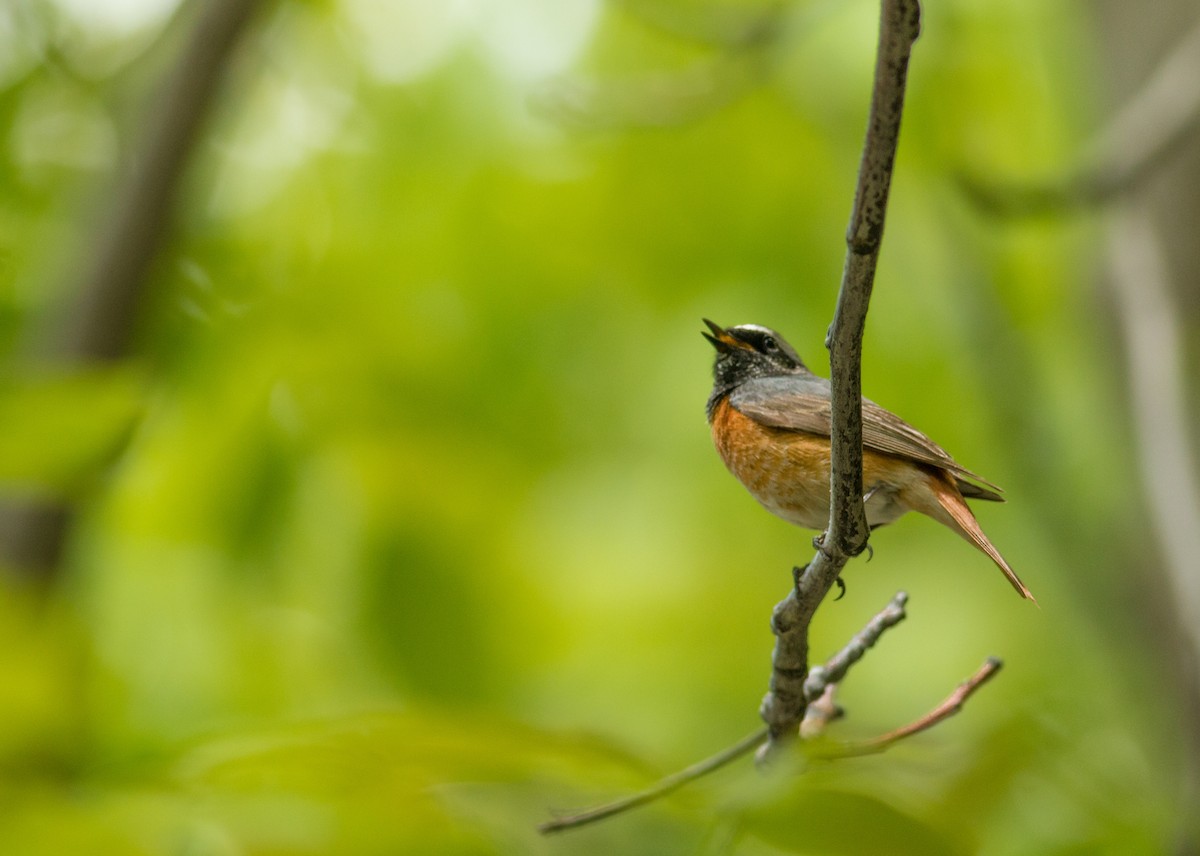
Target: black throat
733, 369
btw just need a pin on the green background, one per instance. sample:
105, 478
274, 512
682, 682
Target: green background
401, 527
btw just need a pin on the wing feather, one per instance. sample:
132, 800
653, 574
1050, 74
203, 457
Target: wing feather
802, 403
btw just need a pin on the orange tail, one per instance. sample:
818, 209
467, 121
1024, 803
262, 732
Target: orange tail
952, 511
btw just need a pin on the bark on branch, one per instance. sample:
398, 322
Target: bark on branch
785, 703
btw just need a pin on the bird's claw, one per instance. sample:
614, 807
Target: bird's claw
841, 588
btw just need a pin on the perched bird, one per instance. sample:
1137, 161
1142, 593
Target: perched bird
770, 420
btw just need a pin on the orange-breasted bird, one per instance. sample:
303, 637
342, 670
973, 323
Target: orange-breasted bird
770, 420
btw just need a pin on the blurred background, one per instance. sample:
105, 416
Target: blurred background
357, 492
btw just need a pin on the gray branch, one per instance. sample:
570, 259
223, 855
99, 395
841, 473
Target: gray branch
836, 667
783, 708
820, 708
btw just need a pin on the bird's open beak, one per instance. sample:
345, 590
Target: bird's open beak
720, 339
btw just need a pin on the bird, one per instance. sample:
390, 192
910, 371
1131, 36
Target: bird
770, 422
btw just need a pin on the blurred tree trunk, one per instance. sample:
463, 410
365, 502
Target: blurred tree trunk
1136, 40
1164, 212
98, 323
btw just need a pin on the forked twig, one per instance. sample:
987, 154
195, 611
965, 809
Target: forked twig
821, 712
834, 669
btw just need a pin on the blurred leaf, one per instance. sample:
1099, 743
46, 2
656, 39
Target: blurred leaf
832, 822
381, 783
57, 431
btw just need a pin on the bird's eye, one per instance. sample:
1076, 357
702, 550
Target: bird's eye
770, 345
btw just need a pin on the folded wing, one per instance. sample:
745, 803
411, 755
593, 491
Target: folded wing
802, 403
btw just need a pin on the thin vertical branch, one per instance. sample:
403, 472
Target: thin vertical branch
783, 707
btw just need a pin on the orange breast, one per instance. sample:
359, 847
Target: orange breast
788, 471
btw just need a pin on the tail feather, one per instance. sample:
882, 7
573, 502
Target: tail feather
953, 511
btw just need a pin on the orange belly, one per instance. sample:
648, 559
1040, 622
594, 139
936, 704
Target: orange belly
788, 471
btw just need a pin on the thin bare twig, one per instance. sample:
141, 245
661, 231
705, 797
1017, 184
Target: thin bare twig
822, 680
952, 704
665, 786
835, 667
783, 708
822, 710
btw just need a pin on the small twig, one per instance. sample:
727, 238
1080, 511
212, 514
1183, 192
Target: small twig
822, 680
1152, 126
820, 712
783, 708
661, 789
950, 706
835, 668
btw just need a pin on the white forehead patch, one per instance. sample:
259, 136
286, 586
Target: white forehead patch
757, 328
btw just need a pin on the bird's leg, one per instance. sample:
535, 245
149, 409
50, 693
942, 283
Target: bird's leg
870, 550
819, 544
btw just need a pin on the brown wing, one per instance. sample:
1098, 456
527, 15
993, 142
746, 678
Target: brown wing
801, 403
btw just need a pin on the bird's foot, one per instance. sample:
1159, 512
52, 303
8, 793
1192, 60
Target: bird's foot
841, 588
797, 573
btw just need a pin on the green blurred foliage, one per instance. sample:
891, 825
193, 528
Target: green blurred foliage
404, 528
